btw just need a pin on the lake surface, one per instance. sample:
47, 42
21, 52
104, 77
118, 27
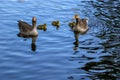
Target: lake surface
97, 57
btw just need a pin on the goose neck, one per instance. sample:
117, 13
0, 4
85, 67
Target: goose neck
34, 24
77, 21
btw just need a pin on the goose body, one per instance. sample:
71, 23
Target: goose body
81, 25
27, 29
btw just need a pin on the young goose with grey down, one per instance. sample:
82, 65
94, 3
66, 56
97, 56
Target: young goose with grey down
27, 30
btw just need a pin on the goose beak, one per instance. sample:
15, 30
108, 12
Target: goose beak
34, 19
73, 18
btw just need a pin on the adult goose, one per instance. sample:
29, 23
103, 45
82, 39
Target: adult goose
27, 30
81, 25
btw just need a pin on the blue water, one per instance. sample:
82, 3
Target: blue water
56, 57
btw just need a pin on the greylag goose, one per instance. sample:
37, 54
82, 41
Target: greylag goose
27, 30
81, 25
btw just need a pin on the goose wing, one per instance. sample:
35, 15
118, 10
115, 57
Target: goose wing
24, 27
83, 23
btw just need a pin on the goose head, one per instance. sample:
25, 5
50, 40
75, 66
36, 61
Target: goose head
76, 16
77, 19
34, 19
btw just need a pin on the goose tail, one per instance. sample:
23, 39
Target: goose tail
19, 20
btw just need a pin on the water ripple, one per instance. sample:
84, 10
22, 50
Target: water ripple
56, 57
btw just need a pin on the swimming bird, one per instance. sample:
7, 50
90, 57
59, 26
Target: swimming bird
27, 30
56, 23
42, 27
71, 24
81, 25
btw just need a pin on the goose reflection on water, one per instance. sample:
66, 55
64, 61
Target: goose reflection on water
106, 69
76, 43
33, 42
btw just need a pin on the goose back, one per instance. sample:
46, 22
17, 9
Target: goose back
81, 26
24, 27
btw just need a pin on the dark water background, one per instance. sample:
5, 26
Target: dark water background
56, 57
